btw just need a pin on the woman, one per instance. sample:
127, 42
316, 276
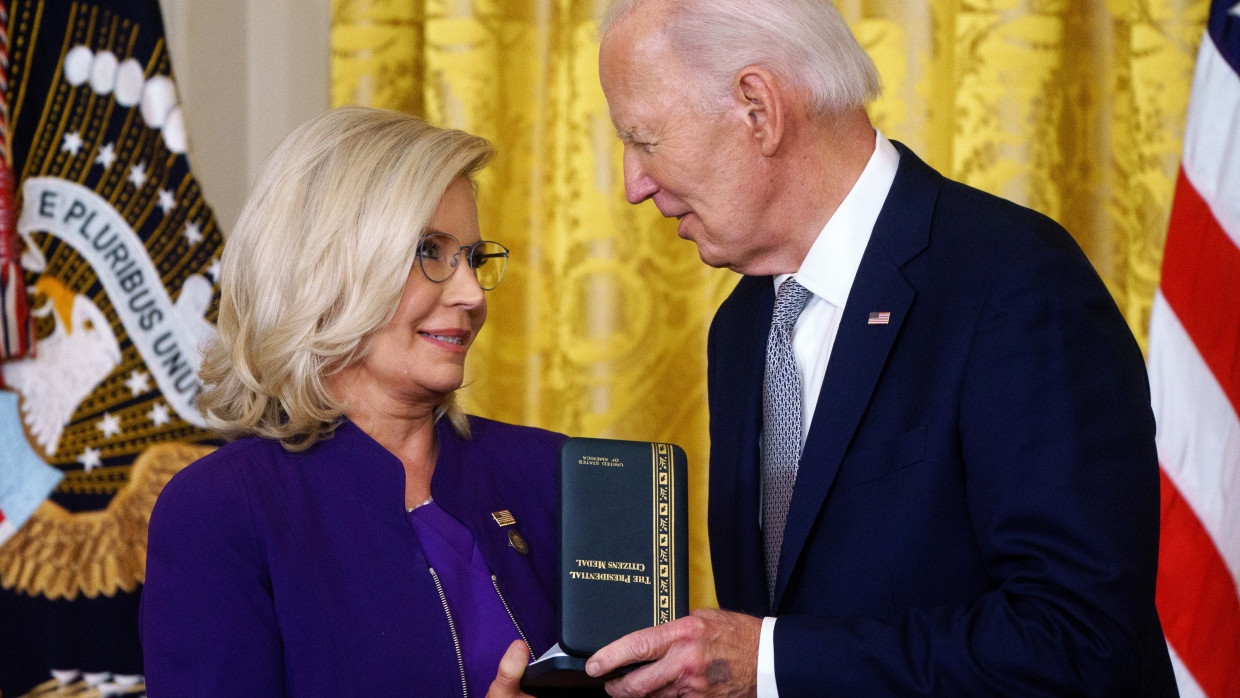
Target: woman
361, 535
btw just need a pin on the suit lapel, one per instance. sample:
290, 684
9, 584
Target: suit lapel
861, 349
736, 422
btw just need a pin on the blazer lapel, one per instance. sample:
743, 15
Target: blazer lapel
736, 422
861, 349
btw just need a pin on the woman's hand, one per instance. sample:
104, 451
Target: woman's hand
507, 683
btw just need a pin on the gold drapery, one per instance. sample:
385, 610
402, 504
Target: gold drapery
1073, 107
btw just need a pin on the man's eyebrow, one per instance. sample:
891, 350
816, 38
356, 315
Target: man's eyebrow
625, 135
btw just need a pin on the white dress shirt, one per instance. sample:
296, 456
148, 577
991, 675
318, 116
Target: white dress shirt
828, 272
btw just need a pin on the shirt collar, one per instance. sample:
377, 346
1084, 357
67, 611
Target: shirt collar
831, 265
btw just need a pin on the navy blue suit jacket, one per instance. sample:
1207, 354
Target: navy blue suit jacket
976, 509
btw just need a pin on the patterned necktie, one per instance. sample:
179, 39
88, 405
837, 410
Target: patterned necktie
781, 423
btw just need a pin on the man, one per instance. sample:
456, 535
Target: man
934, 472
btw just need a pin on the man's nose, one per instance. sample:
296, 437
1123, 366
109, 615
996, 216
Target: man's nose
638, 186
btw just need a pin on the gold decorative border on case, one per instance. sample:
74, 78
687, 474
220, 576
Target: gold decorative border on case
662, 461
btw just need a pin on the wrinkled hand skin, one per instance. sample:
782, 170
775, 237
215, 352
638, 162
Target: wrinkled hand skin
507, 683
708, 653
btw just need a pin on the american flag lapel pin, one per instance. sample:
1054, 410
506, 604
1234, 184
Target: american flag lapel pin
504, 518
882, 318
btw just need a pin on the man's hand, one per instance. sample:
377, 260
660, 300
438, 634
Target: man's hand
507, 683
708, 653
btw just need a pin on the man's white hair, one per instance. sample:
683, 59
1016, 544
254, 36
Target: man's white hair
805, 42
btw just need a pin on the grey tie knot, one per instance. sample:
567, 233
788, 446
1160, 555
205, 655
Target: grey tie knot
790, 300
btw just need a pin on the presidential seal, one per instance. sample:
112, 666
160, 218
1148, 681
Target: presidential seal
121, 257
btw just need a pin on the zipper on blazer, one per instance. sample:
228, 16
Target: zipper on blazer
495, 583
456, 642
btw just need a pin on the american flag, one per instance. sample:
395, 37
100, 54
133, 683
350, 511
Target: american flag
1194, 363
16, 335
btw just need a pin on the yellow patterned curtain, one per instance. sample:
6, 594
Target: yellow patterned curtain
1073, 107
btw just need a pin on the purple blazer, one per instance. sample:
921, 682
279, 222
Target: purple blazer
272, 573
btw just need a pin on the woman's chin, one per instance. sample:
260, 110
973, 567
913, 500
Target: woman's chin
439, 390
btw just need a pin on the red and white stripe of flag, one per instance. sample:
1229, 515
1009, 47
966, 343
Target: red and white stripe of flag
1194, 364
16, 332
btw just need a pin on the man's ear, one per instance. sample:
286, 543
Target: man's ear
762, 101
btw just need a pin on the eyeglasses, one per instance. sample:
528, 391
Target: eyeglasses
439, 254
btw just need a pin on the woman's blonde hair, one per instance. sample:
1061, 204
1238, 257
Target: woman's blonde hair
316, 265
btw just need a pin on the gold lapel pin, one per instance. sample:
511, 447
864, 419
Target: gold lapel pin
518, 542
504, 518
